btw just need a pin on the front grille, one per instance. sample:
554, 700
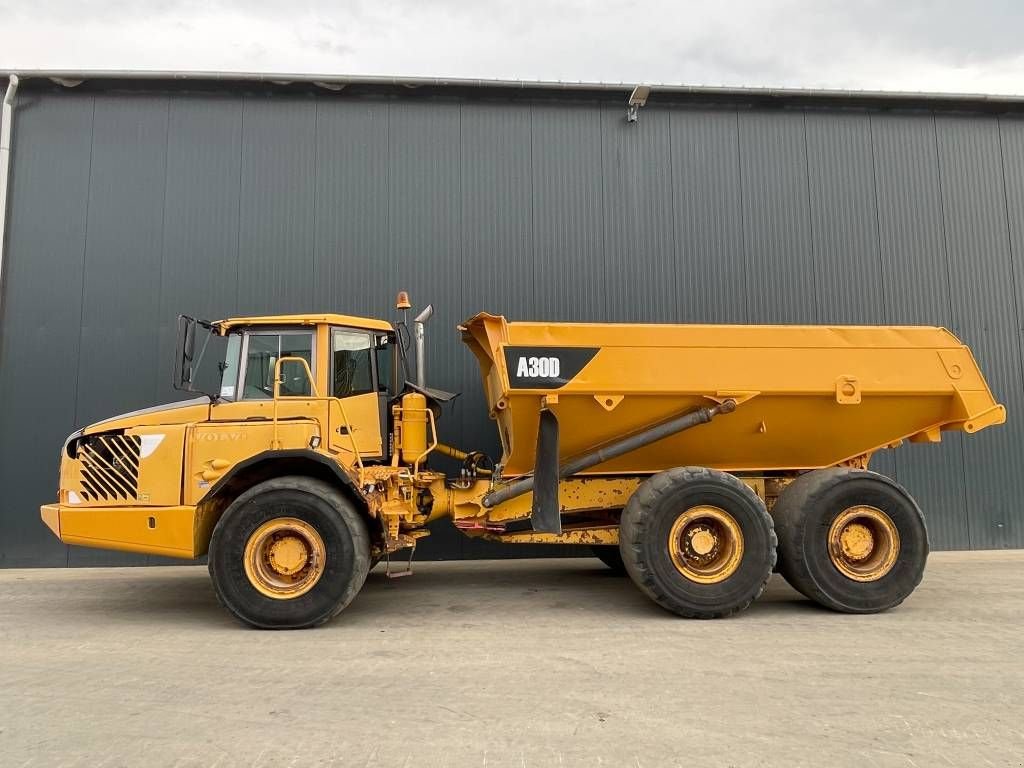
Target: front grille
110, 467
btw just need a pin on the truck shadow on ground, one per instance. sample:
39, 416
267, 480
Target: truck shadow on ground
469, 591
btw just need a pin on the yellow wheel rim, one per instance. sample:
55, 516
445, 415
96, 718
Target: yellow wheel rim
706, 544
863, 543
284, 558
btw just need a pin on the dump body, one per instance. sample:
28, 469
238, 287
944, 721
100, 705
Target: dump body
808, 396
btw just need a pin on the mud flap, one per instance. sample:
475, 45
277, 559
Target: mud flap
546, 515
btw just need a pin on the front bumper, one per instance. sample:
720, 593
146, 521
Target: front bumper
168, 531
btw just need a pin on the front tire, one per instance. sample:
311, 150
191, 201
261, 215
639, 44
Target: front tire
698, 542
289, 553
850, 539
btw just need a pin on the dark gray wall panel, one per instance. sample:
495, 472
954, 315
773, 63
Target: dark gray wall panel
568, 213
42, 310
844, 221
119, 350
642, 264
224, 203
707, 217
351, 238
778, 248
1011, 139
1011, 134
911, 231
984, 313
275, 253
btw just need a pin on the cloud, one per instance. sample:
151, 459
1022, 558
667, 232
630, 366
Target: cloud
909, 45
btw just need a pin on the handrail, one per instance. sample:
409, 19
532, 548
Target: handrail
275, 441
305, 366
315, 396
433, 434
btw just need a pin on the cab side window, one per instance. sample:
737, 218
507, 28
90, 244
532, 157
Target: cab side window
351, 361
263, 350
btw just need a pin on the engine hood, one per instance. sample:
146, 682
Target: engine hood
180, 412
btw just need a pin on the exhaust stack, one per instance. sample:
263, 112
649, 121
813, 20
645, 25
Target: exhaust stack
418, 322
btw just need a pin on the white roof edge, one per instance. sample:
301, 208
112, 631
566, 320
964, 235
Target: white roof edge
71, 76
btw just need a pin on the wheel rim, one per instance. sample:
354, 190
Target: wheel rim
706, 544
284, 558
863, 543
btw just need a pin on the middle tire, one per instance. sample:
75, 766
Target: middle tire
698, 542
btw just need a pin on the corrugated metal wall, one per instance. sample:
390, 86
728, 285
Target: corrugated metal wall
128, 208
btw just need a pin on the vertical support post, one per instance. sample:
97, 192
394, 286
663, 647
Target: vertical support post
6, 126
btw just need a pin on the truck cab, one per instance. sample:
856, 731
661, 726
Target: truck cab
276, 393
352, 360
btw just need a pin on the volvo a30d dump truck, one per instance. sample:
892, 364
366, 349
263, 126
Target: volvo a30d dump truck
695, 458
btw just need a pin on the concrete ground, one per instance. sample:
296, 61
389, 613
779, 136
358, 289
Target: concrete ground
510, 663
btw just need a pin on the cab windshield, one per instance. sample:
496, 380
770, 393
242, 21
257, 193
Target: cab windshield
260, 352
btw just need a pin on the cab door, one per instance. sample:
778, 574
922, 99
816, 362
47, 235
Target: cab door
355, 410
247, 420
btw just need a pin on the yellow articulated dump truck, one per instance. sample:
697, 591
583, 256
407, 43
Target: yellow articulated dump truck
695, 458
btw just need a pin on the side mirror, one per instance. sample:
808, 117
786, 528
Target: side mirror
185, 348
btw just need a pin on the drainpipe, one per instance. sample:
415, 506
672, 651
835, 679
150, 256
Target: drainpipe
6, 121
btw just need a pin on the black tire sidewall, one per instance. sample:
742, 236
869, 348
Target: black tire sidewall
829, 585
337, 584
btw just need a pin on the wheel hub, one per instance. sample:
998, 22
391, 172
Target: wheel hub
863, 543
857, 541
701, 540
706, 544
284, 558
288, 555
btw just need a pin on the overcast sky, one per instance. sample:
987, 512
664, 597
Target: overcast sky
894, 45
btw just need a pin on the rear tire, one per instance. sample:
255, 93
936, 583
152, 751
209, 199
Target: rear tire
724, 546
809, 517
610, 555
325, 543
